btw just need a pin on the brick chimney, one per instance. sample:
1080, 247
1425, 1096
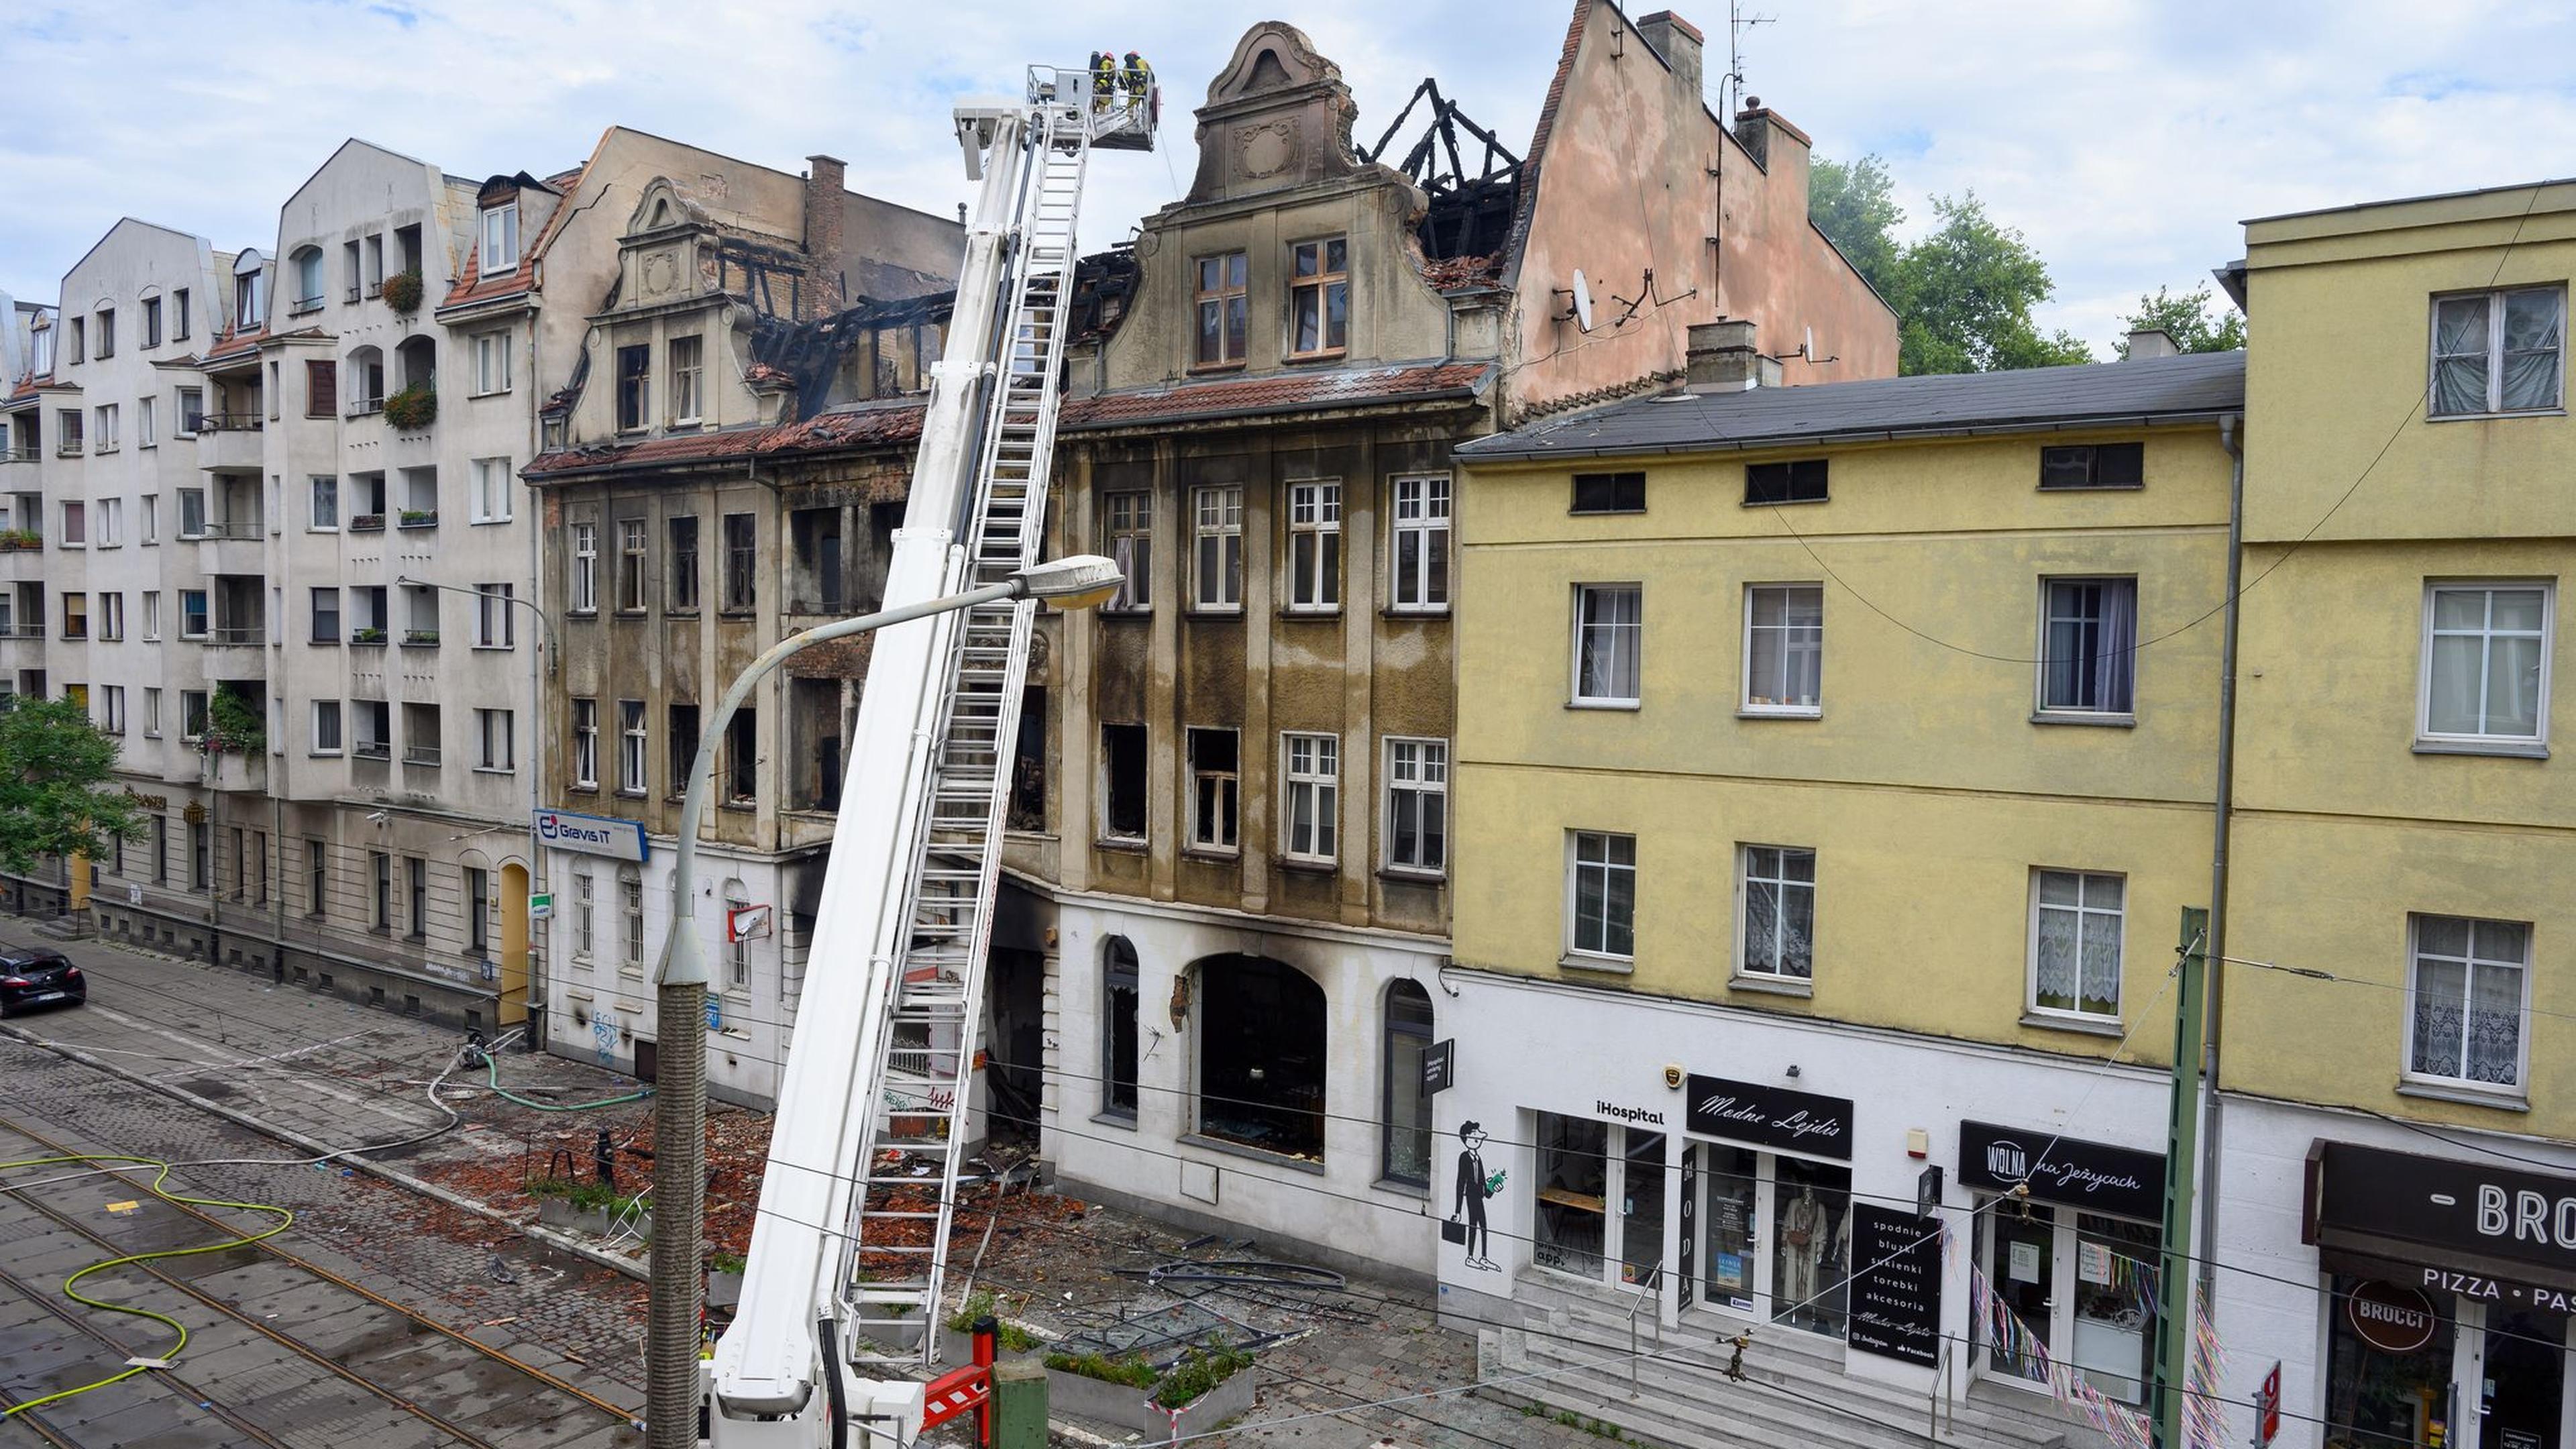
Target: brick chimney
1721, 357
1680, 44
821, 295
1779, 148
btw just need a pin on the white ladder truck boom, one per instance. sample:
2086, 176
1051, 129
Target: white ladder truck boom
848, 1250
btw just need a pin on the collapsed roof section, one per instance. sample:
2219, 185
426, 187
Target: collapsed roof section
1469, 220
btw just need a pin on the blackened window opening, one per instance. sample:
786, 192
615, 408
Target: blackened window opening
1261, 1055
1800, 482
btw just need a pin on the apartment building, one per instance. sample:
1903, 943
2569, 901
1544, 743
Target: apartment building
2399, 1127
1228, 942
1833, 766
741, 353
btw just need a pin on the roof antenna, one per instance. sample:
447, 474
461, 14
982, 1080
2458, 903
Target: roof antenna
1737, 22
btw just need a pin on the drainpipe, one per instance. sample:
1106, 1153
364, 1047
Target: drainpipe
2231, 437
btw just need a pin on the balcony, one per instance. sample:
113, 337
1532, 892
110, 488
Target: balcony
425, 756
238, 772
20, 455
21, 540
366, 523
231, 546
237, 634
229, 441
371, 750
363, 407
420, 638
375, 637
34, 632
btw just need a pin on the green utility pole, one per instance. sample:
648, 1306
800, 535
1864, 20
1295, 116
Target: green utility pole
2182, 1155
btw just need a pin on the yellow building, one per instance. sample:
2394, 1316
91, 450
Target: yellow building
1833, 767
2401, 1132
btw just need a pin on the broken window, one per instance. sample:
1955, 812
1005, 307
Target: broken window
1609, 493
585, 744
683, 556
1028, 763
1800, 482
630, 565
2093, 465
1222, 306
1319, 298
742, 757
1128, 529
1118, 1028
1261, 1055
816, 586
634, 388
684, 746
1214, 786
816, 713
742, 549
1122, 781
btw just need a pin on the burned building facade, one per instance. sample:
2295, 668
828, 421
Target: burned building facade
1220, 968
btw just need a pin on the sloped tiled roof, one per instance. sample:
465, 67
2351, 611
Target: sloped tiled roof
1291, 392
862, 425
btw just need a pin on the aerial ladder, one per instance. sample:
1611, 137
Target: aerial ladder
848, 1251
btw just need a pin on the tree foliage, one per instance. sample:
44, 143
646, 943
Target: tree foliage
2186, 319
55, 770
1963, 292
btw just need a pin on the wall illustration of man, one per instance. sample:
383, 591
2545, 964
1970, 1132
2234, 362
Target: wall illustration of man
1475, 1185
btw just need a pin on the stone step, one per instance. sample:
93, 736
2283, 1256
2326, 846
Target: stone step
1668, 1412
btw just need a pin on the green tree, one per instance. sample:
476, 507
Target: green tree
1964, 295
55, 798
1855, 207
2186, 319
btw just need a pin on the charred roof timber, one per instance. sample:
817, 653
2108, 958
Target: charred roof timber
1469, 216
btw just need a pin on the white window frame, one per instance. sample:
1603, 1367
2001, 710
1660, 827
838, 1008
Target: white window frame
1315, 522
1417, 768
1127, 535
111, 708
688, 405
496, 726
634, 748
322, 503
151, 712
147, 426
151, 519
1228, 841
1749, 702
2082, 909
103, 435
585, 567
585, 937
111, 616
110, 532
2537, 742
1422, 507
2519, 1087
152, 616
490, 499
585, 744
630, 903
634, 551
1575, 868
1318, 781
208, 613
2040, 706
1747, 877
1635, 630
1216, 522
491, 363
204, 703
500, 234
327, 709
2495, 300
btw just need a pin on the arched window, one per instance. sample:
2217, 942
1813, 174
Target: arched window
363, 381
419, 359
1405, 1155
1262, 1063
1118, 1028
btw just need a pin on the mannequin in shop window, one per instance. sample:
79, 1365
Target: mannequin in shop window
1802, 1230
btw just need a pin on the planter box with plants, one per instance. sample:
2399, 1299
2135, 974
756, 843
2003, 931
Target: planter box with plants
724, 1279
12, 539
589, 1207
402, 292
957, 1334
420, 518
414, 407
1206, 1388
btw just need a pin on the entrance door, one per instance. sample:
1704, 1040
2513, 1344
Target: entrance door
1641, 1211
2021, 1273
2524, 1378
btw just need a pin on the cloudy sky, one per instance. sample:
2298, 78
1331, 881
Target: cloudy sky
2126, 138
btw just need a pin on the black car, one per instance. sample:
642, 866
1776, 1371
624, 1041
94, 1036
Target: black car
39, 978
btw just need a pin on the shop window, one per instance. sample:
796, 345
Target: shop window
1732, 1207
2375, 1397
1261, 1055
1811, 1204
1573, 1194
1118, 1029
2064, 1295
1406, 1155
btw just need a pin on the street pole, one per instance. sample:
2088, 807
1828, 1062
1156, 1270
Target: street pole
672, 1331
2175, 1328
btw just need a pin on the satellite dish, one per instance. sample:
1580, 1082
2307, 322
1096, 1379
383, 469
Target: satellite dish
1582, 301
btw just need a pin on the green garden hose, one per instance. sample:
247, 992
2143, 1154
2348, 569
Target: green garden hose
492, 1070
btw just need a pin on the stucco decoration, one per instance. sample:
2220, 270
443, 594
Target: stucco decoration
661, 272
1278, 115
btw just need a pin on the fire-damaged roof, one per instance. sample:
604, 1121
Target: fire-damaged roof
891, 423
1283, 393
1468, 222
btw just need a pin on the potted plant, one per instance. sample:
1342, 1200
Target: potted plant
415, 406
420, 636
402, 292
19, 538
365, 635
419, 517
724, 1279
232, 726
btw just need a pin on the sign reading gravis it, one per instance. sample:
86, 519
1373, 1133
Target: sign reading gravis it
1770, 1116
591, 834
2092, 1175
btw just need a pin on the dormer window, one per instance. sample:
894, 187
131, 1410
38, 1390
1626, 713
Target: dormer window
501, 238
1319, 298
1221, 307
246, 299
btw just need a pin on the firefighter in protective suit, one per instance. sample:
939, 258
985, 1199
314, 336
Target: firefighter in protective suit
1139, 78
1104, 79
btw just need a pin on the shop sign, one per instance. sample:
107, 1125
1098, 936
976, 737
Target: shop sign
591, 834
2505, 1217
1896, 1289
2391, 1317
2267, 1408
1439, 1066
1770, 1116
2094, 1176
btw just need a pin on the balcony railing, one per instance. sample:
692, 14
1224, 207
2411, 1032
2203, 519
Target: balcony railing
304, 305
366, 523
230, 423
22, 631
419, 518
361, 407
421, 755
365, 635
229, 528
19, 455
372, 750
420, 638
238, 634
68, 448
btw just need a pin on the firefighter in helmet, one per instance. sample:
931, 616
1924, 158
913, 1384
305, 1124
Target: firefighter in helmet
1139, 78
1104, 79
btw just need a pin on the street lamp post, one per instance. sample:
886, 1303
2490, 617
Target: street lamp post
680, 1001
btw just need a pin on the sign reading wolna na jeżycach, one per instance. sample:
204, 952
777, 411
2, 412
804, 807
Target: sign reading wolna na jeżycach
2095, 1176
591, 834
1770, 1116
